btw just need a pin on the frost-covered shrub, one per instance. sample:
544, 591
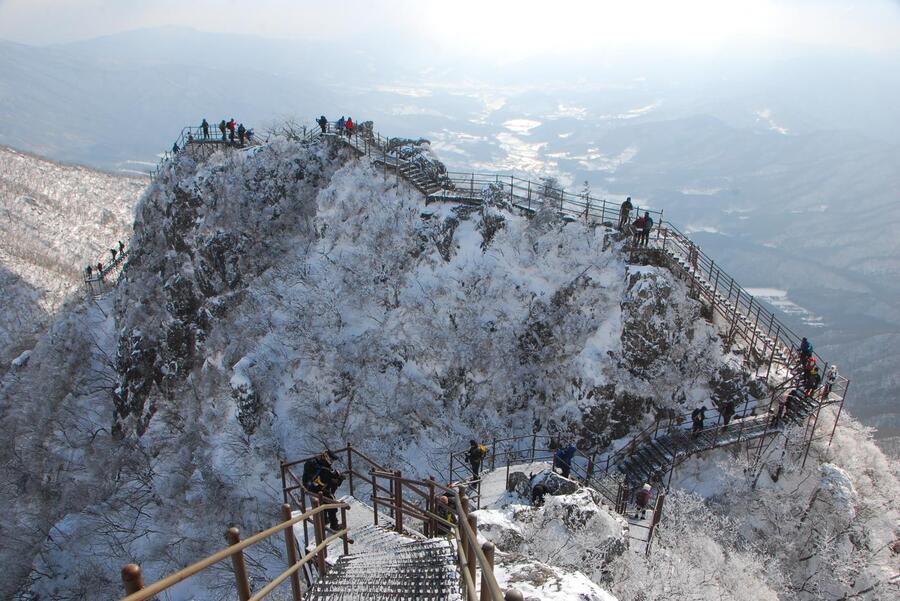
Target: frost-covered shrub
697, 554
419, 153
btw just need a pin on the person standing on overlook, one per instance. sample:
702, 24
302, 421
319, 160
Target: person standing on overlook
642, 499
474, 456
323, 123
698, 416
625, 213
205, 128
727, 413
222, 127
830, 380
348, 126
644, 239
806, 350
563, 460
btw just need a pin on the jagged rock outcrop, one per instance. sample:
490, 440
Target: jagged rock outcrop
571, 531
199, 239
419, 153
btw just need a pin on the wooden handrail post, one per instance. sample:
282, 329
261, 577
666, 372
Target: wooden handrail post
132, 578
463, 500
398, 502
431, 524
291, 547
319, 528
488, 550
470, 552
350, 466
374, 496
533, 443
344, 528
507, 470
242, 583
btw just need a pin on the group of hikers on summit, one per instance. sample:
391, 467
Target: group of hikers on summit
342, 126
232, 132
640, 227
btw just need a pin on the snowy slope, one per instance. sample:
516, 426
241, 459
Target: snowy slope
54, 219
288, 297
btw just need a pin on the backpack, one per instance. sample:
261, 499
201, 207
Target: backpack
482, 450
639, 223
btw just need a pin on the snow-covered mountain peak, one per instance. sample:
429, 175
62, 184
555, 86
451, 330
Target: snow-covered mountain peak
289, 297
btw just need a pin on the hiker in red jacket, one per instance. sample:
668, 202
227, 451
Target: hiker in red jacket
348, 126
231, 130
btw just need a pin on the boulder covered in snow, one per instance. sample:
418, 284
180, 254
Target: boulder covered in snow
519, 483
570, 531
554, 483
538, 581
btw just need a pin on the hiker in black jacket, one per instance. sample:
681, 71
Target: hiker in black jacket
624, 213
474, 456
321, 477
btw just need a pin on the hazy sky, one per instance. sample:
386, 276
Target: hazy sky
505, 29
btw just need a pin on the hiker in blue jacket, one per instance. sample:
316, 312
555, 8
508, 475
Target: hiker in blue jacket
563, 460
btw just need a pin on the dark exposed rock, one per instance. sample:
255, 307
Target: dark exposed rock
613, 417
192, 256
554, 483
137, 362
520, 484
219, 268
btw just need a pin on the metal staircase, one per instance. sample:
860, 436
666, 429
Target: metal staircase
393, 567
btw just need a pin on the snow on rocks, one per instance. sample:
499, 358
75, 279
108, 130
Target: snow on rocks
837, 491
22, 359
538, 581
573, 531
